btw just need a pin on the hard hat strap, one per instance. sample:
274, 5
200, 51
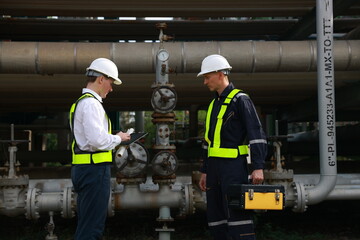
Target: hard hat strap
225, 71
92, 73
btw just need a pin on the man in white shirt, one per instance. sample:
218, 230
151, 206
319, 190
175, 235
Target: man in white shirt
92, 148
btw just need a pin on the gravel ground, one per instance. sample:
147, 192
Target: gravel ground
325, 221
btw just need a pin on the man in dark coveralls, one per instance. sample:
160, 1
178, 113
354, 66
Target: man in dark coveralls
231, 119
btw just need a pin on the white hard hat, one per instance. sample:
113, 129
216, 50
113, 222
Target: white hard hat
105, 67
214, 63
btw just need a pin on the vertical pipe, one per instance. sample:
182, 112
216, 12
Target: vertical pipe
326, 102
193, 120
164, 217
139, 121
12, 153
12, 158
270, 126
12, 132
29, 139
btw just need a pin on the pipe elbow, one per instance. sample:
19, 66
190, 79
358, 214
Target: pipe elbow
319, 192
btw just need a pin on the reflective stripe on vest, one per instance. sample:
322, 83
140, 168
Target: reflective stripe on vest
215, 150
84, 157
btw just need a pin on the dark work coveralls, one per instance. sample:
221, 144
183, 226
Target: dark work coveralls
240, 123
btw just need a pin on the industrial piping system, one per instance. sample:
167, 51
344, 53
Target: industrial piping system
19, 195
38, 197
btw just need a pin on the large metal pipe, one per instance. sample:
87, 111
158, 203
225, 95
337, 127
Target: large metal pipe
341, 180
56, 195
326, 103
245, 56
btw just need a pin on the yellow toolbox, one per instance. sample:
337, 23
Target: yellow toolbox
256, 197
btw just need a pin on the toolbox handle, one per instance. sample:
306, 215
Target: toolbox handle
277, 195
251, 194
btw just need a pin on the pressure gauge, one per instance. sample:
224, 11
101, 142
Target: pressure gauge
164, 99
163, 55
134, 160
164, 163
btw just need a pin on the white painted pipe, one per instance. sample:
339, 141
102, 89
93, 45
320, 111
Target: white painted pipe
326, 103
344, 192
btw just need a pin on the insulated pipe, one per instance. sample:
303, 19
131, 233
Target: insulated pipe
326, 103
186, 57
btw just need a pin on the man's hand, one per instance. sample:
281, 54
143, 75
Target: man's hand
202, 182
123, 136
257, 176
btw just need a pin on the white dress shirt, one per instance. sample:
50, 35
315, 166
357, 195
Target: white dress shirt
91, 125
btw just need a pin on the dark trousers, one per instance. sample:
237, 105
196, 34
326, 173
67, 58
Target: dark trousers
92, 184
225, 223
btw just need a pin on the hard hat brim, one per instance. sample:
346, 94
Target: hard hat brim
202, 73
117, 81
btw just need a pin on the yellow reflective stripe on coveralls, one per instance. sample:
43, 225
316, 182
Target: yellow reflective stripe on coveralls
83, 157
207, 123
216, 150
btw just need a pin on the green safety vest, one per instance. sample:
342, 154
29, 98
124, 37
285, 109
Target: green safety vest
84, 157
215, 150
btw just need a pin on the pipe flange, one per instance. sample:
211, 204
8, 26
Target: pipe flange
301, 197
163, 115
162, 120
156, 85
122, 179
164, 180
31, 208
158, 118
188, 206
167, 147
68, 203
